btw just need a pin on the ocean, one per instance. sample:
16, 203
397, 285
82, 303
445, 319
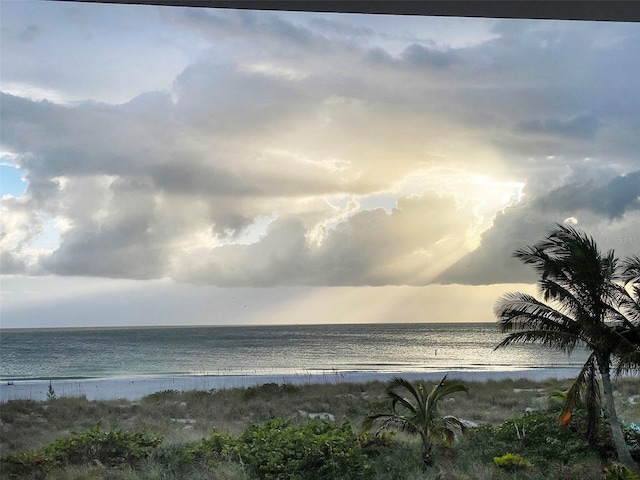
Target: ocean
35, 357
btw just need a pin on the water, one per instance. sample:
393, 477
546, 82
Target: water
274, 350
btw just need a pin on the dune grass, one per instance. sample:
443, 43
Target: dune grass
184, 419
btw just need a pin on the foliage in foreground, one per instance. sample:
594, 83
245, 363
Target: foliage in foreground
511, 462
318, 450
536, 438
313, 451
275, 450
108, 448
418, 413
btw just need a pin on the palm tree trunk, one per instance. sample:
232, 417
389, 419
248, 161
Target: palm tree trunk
427, 447
616, 430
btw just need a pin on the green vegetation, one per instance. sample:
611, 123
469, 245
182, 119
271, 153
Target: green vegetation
590, 300
314, 451
511, 462
420, 414
108, 448
263, 432
620, 472
51, 393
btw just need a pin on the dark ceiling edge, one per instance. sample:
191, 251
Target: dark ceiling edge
597, 10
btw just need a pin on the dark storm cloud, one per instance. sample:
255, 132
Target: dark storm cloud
245, 24
56, 140
612, 198
607, 210
421, 55
581, 126
9, 264
229, 100
552, 90
121, 244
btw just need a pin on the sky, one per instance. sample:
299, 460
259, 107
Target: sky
190, 166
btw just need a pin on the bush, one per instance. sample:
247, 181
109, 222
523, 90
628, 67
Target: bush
632, 437
162, 396
540, 435
391, 459
511, 462
93, 446
109, 448
314, 451
218, 446
620, 472
269, 390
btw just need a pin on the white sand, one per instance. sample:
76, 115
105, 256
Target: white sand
136, 388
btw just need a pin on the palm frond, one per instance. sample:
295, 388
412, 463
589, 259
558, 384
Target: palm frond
390, 421
558, 340
396, 398
453, 423
444, 390
631, 270
581, 386
627, 353
447, 428
517, 310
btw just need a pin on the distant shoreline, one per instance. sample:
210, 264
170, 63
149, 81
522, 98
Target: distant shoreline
135, 388
248, 326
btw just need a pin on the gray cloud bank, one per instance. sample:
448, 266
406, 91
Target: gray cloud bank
253, 166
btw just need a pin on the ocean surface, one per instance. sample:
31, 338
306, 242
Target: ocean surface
58, 354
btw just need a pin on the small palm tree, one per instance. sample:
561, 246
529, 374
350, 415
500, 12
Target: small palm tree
418, 414
589, 300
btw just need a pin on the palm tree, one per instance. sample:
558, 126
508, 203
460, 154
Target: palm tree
418, 414
586, 303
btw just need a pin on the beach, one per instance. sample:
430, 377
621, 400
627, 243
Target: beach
134, 388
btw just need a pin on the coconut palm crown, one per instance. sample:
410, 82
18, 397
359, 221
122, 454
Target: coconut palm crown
418, 413
586, 302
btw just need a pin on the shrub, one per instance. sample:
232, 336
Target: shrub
541, 437
511, 462
162, 396
632, 437
217, 446
51, 393
179, 461
620, 472
392, 459
313, 451
23, 464
108, 448
269, 390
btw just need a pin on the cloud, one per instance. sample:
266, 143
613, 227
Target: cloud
612, 198
9, 264
407, 246
262, 29
581, 126
606, 210
260, 160
420, 55
120, 242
